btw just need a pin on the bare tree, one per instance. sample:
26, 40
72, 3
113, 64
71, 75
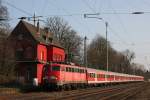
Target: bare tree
66, 36
6, 55
96, 53
128, 57
3, 36
3, 23
118, 61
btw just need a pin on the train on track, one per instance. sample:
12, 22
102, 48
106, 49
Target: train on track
66, 76
40, 62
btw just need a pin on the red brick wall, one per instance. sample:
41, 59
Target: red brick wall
41, 52
39, 72
56, 54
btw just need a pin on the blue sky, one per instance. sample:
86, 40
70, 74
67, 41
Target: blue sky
126, 31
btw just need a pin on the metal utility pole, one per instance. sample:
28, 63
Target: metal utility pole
85, 52
106, 25
85, 58
34, 19
107, 64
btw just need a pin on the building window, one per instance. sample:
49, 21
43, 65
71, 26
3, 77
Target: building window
19, 55
19, 51
42, 55
28, 53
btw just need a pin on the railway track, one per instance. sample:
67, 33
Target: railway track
125, 94
102, 94
97, 93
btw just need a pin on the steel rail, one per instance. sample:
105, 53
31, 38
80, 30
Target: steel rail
124, 95
94, 92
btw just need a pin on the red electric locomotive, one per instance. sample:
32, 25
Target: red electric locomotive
63, 75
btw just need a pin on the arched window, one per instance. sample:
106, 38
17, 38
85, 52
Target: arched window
28, 52
19, 51
42, 55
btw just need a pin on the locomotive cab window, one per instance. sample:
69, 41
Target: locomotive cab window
56, 68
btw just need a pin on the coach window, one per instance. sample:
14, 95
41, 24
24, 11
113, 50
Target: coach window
103, 76
69, 69
76, 69
100, 75
94, 75
72, 69
91, 74
107, 76
82, 70
79, 70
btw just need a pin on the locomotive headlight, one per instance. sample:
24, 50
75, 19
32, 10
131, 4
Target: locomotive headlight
53, 77
35, 81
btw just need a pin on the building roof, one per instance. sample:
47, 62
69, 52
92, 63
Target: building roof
33, 30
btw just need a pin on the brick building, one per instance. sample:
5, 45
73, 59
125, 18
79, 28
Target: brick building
33, 49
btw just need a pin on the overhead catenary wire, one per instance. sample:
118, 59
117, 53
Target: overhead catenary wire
75, 19
21, 10
68, 14
121, 23
88, 5
116, 34
124, 42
